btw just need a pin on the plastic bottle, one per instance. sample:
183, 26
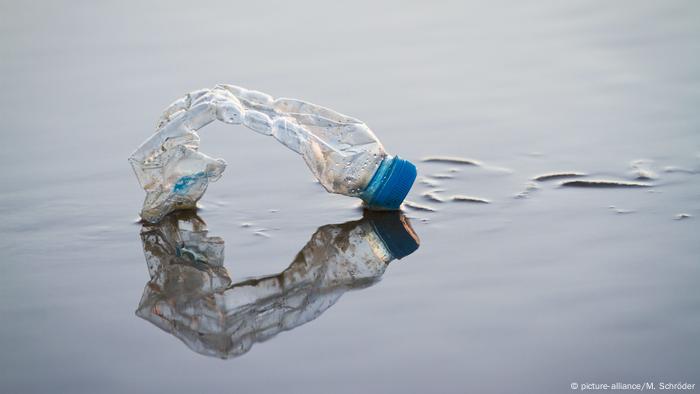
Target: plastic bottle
342, 152
191, 295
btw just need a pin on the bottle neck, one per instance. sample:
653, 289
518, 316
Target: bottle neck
378, 179
390, 184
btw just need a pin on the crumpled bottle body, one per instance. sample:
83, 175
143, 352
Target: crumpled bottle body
341, 152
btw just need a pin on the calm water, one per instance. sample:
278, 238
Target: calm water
544, 286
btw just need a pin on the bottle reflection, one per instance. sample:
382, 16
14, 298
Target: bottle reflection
192, 296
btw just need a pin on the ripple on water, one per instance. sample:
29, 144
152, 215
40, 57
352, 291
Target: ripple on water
529, 188
621, 211
644, 175
450, 160
604, 184
469, 199
261, 233
674, 169
418, 207
428, 182
558, 175
442, 176
641, 170
433, 196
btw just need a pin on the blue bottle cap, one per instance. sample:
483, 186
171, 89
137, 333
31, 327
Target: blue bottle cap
395, 231
390, 184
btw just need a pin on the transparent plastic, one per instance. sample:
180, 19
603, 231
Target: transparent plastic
341, 151
191, 295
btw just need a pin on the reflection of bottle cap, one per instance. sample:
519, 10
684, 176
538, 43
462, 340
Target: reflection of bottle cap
390, 184
395, 232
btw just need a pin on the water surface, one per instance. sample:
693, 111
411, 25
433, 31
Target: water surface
543, 286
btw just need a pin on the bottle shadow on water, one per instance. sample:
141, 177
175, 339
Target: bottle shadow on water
192, 296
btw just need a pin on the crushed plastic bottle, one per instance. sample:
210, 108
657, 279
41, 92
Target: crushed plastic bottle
191, 295
342, 152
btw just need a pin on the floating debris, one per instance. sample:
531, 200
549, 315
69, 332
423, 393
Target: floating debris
604, 184
419, 207
462, 198
682, 216
453, 170
432, 196
558, 175
246, 224
450, 159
